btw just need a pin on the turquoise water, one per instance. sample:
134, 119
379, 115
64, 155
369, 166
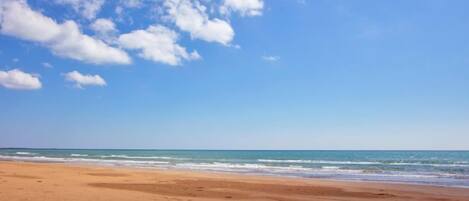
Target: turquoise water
448, 168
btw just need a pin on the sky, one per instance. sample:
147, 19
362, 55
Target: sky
234, 74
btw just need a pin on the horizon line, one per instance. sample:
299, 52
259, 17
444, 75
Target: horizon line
199, 149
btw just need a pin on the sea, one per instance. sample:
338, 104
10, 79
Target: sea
442, 168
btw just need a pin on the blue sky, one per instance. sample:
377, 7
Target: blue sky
258, 74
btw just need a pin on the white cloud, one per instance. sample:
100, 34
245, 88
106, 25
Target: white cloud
81, 80
157, 43
236, 46
270, 58
243, 7
191, 16
17, 79
102, 25
66, 40
86, 8
105, 29
47, 65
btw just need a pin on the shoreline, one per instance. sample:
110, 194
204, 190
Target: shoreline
20, 179
157, 168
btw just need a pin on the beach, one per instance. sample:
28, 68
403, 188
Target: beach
56, 181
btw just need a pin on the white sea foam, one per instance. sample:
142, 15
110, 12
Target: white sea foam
429, 164
320, 162
138, 157
330, 167
462, 164
302, 168
250, 167
292, 170
221, 165
83, 160
324, 171
25, 153
450, 165
79, 155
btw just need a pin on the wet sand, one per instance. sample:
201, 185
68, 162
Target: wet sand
64, 182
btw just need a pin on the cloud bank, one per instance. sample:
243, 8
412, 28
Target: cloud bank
64, 39
157, 43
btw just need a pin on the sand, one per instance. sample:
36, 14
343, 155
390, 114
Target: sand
71, 182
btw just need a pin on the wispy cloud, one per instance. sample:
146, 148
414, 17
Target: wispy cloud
301, 2
270, 58
243, 7
82, 80
47, 65
105, 30
86, 8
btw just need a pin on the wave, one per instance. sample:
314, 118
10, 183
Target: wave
245, 167
217, 166
462, 164
25, 153
138, 157
330, 167
450, 165
253, 167
78, 155
83, 160
429, 164
320, 162
295, 170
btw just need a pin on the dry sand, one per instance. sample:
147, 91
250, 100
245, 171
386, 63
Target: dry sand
64, 182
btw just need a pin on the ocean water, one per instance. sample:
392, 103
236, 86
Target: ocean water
447, 168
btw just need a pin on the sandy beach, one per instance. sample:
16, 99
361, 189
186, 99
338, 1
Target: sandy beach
54, 182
